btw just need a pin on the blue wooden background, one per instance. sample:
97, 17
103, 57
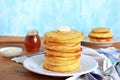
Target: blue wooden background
18, 16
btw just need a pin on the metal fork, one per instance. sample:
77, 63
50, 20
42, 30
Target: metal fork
114, 61
107, 73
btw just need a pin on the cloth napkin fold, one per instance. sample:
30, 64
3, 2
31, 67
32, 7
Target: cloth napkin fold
100, 58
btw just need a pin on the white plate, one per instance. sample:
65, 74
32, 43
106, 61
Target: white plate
115, 40
35, 63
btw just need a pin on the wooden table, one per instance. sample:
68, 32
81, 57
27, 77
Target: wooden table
10, 70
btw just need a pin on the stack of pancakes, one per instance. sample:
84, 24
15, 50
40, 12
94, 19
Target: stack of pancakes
62, 50
100, 35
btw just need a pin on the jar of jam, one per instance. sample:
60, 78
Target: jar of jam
32, 41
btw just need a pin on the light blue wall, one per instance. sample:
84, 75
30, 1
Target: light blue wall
18, 16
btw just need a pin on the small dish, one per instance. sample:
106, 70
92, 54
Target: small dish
10, 51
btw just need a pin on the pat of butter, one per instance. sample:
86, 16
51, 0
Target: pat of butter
10, 50
64, 28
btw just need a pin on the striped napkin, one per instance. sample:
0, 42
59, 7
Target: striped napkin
101, 59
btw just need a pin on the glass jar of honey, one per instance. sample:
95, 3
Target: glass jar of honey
32, 41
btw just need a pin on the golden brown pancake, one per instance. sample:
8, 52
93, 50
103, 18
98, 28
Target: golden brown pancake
62, 47
56, 58
100, 35
65, 68
99, 30
60, 63
63, 54
64, 37
52, 60
100, 39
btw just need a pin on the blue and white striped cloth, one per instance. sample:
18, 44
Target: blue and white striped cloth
97, 54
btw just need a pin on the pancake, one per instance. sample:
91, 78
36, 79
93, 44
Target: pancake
100, 39
63, 54
65, 68
56, 58
64, 37
99, 30
59, 44
60, 63
61, 47
100, 35
57, 61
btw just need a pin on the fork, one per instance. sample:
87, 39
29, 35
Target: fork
108, 71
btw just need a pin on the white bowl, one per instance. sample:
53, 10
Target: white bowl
10, 51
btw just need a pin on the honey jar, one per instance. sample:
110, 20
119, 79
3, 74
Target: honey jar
32, 41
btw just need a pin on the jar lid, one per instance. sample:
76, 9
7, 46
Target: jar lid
32, 32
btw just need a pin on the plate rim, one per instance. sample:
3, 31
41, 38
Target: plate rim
60, 74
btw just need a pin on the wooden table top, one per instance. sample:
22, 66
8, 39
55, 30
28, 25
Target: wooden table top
10, 70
